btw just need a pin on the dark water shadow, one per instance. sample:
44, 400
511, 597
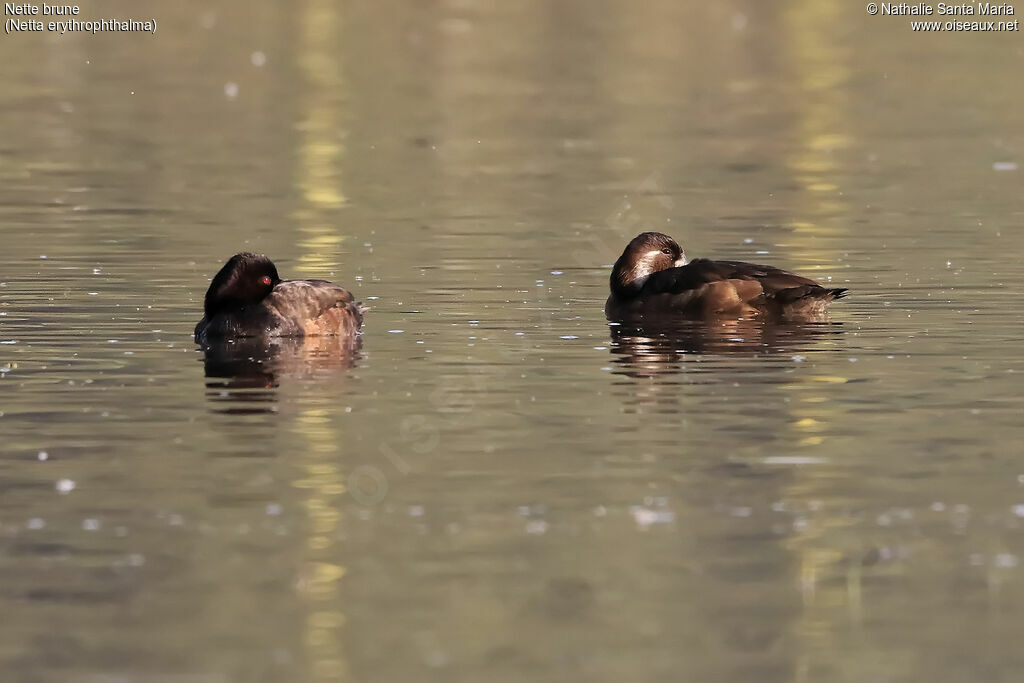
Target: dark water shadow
663, 350
242, 375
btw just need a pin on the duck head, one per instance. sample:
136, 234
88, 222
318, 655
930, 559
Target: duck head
246, 279
646, 253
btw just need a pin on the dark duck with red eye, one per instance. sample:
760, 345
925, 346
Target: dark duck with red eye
247, 298
652, 280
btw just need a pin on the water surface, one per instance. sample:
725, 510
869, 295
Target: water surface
499, 485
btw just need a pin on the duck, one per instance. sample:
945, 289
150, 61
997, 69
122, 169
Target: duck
653, 281
247, 298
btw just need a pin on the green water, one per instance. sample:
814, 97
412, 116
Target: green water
500, 486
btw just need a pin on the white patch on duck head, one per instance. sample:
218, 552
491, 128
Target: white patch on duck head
647, 264
643, 267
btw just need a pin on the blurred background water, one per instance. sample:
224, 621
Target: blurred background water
499, 485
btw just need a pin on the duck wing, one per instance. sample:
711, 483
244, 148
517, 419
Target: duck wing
717, 286
700, 272
314, 308
781, 285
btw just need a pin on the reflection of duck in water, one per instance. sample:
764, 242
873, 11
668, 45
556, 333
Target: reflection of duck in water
247, 298
244, 373
652, 280
655, 349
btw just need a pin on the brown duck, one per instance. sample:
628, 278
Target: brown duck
247, 298
652, 280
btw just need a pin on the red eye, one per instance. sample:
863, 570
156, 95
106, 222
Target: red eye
265, 279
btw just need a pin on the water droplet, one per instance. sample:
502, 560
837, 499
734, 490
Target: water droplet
536, 527
1005, 560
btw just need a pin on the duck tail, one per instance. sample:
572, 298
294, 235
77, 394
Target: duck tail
836, 293
809, 292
